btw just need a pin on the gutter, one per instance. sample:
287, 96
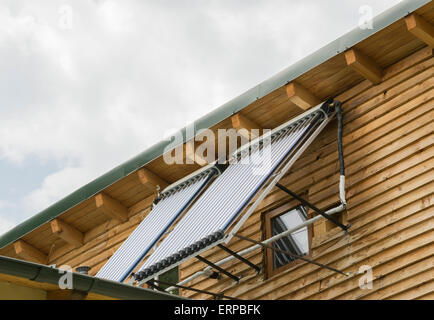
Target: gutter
81, 282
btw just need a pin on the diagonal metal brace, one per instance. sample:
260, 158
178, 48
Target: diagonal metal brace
230, 275
314, 208
236, 255
291, 254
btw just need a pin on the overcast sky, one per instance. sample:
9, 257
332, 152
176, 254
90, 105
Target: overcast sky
86, 85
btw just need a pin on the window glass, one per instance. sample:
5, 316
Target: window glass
297, 242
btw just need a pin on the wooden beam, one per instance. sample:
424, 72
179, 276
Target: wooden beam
29, 253
191, 156
420, 28
301, 97
363, 65
241, 122
111, 207
151, 180
67, 232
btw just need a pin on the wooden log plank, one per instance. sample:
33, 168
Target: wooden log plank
384, 286
245, 127
366, 112
355, 176
332, 253
67, 232
301, 97
406, 289
392, 72
107, 229
305, 275
412, 84
64, 256
396, 246
151, 180
364, 65
335, 253
421, 286
383, 271
391, 214
111, 207
420, 28
413, 201
410, 76
372, 152
28, 252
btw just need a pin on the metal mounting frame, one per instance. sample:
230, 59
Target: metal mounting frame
220, 269
242, 259
313, 207
267, 246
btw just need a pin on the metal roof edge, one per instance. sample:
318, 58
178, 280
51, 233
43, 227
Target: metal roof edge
228, 109
45, 274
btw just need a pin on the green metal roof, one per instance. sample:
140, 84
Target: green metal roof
81, 282
235, 105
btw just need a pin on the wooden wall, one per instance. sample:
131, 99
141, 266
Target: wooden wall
388, 149
389, 157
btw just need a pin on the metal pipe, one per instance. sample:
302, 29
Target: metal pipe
208, 271
339, 115
293, 255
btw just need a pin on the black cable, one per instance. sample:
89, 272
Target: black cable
339, 115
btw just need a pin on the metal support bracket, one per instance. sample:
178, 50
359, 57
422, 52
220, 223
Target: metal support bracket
314, 208
236, 255
291, 254
220, 269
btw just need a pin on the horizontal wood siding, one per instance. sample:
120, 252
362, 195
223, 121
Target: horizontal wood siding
389, 157
388, 148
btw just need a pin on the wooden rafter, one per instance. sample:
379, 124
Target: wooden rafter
364, 65
67, 232
111, 207
29, 253
420, 28
241, 122
151, 180
301, 97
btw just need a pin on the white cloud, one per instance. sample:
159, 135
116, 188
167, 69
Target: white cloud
5, 222
102, 90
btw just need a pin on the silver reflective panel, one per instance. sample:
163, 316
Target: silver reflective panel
229, 194
172, 203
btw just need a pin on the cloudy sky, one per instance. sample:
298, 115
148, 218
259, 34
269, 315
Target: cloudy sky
85, 85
